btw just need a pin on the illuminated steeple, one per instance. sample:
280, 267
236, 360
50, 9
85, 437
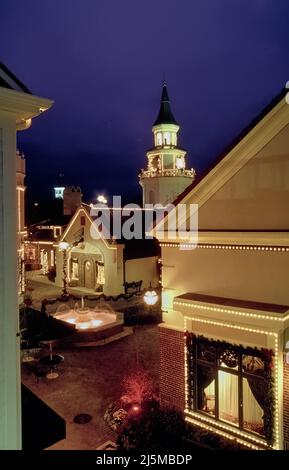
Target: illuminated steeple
166, 175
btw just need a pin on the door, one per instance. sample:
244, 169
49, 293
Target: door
88, 275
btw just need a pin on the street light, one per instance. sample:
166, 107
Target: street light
63, 246
150, 296
102, 199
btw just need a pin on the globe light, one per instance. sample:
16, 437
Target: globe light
101, 199
150, 297
63, 246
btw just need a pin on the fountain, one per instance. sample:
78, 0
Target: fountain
85, 318
92, 324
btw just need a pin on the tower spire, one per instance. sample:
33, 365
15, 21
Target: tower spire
165, 115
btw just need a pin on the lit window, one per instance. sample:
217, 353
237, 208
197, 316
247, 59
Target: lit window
180, 163
154, 163
58, 192
74, 269
168, 162
167, 138
231, 384
159, 138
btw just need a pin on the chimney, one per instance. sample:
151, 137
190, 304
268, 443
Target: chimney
72, 198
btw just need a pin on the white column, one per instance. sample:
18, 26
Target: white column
10, 383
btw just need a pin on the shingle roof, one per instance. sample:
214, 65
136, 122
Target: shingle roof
165, 115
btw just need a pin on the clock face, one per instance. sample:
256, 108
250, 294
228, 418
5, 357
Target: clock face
180, 163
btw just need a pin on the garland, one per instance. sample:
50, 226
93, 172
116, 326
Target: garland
66, 297
230, 352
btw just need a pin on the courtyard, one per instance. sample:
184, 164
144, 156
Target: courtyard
90, 379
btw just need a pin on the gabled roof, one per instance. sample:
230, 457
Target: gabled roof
133, 249
232, 144
165, 115
9, 80
261, 130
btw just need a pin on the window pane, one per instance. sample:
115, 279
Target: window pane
159, 138
228, 358
167, 138
168, 161
252, 411
206, 389
74, 269
228, 397
252, 364
155, 162
206, 352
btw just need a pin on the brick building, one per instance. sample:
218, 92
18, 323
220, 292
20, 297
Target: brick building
225, 299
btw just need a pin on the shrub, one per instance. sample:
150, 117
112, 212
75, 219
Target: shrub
155, 429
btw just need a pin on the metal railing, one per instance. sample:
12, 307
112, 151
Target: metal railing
170, 172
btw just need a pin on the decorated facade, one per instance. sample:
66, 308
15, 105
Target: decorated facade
42, 237
225, 299
166, 175
100, 264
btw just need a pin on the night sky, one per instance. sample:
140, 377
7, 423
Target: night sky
103, 63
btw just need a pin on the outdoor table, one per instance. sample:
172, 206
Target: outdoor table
51, 360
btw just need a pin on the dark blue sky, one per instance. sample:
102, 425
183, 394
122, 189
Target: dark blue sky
103, 63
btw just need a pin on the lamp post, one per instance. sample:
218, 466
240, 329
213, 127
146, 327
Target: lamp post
63, 246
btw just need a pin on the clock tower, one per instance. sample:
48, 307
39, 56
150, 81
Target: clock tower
166, 175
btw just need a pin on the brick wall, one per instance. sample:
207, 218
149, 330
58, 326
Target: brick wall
286, 403
172, 375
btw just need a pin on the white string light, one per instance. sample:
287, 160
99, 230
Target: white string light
264, 248
233, 312
276, 388
222, 433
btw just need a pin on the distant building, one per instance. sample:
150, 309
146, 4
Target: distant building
104, 265
72, 198
166, 175
58, 192
43, 236
59, 187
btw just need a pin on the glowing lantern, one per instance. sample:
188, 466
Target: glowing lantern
102, 199
63, 246
151, 297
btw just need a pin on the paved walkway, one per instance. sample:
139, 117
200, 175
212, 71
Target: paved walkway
90, 380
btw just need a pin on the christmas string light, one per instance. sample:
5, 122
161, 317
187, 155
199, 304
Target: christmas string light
276, 382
